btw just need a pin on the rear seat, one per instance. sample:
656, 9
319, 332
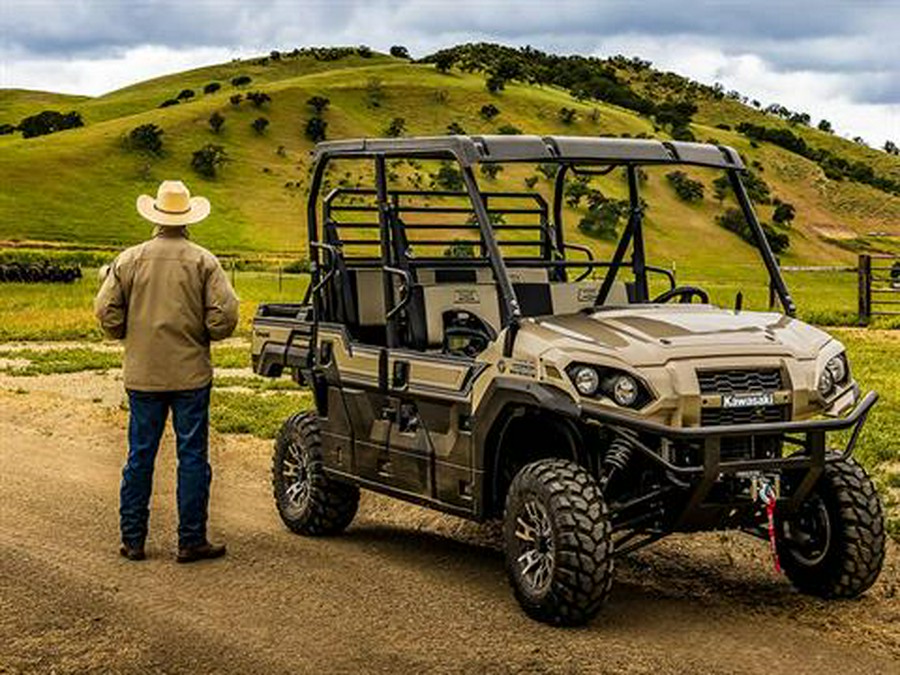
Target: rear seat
471, 290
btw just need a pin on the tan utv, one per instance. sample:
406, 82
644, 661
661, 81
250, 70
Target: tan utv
463, 361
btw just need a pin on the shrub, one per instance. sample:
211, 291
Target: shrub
208, 160
567, 115
315, 129
508, 130
318, 104
399, 52
530, 181
459, 249
721, 186
490, 170
687, 189
757, 188
169, 102
216, 120
6, 129
364, 51
48, 122
145, 138
547, 170
455, 129
374, 92
448, 177
185, 94
784, 212
236, 99
602, 218
241, 80
212, 88
259, 125
494, 83
733, 221
396, 128
258, 98
444, 61
489, 111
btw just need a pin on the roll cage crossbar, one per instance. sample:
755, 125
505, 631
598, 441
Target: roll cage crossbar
591, 156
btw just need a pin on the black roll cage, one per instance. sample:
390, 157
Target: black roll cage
552, 242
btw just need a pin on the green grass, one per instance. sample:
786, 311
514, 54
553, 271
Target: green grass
260, 414
65, 311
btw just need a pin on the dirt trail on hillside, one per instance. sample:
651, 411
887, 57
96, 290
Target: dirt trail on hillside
403, 591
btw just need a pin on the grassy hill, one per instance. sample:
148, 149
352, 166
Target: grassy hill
79, 186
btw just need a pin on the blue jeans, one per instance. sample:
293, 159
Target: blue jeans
190, 418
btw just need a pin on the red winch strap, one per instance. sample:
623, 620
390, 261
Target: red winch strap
767, 495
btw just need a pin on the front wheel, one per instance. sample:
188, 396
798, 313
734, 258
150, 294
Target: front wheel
308, 501
558, 541
833, 546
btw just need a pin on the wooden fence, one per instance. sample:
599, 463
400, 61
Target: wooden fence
879, 286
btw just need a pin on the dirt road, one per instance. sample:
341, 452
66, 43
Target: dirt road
404, 591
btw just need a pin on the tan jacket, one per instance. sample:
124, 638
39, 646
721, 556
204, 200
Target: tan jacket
168, 298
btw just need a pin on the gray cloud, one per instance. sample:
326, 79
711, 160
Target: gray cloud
852, 43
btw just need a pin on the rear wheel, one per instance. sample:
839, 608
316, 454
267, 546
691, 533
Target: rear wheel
833, 547
558, 541
308, 501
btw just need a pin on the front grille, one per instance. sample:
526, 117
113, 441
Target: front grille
717, 417
733, 381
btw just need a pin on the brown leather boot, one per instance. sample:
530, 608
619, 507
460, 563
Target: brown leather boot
204, 551
132, 552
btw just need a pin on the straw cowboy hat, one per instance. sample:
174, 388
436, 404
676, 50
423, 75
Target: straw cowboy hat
173, 205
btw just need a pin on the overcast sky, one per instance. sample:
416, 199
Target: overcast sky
837, 60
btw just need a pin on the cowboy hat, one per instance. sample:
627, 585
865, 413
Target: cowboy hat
173, 205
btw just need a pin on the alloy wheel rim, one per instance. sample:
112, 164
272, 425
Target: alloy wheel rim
295, 477
537, 551
808, 534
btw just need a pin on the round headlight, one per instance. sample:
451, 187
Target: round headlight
838, 369
586, 380
826, 382
625, 390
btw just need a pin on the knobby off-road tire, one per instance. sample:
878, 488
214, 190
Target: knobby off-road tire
308, 501
834, 547
558, 541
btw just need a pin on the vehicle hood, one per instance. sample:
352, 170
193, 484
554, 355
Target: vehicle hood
656, 334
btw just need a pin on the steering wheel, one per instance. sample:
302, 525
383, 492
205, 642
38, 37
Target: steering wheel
686, 293
466, 334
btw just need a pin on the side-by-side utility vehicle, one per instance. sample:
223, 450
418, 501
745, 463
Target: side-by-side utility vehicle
460, 358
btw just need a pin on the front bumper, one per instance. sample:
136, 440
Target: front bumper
805, 465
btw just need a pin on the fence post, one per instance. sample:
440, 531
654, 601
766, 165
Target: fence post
864, 274
233, 268
280, 268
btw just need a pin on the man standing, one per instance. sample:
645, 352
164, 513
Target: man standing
168, 298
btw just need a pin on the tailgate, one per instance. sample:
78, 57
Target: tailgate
281, 338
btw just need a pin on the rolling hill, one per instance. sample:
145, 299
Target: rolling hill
78, 186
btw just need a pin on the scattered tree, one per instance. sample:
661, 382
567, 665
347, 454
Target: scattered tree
185, 94
396, 128
259, 125
602, 218
547, 170
315, 129
169, 102
460, 249
490, 171
236, 99
212, 88
6, 129
494, 83
374, 92
448, 177
757, 188
48, 122
733, 220
721, 186
145, 138
531, 181
455, 129
318, 104
258, 98
489, 111
399, 52
784, 213
567, 115
364, 51
208, 160
444, 61
686, 188
241, 80
508, 130
216, 120
891, 148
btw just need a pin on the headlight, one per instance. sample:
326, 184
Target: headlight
834, 374
624, 390
826, 383
837, 366
586, 379
621, 388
